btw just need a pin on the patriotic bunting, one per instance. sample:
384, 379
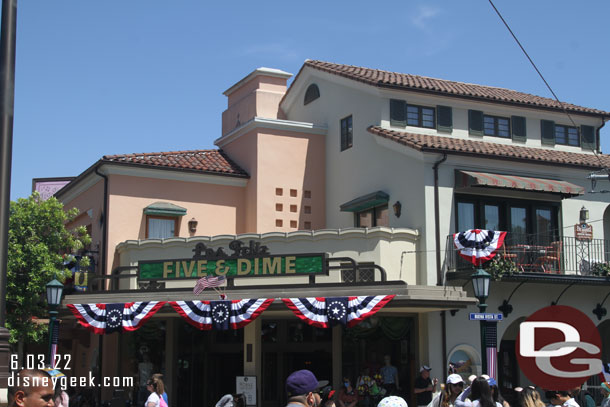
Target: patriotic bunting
108, 318
477, 245
327, 312
221, 315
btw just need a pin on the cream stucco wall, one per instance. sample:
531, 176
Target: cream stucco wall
390, 248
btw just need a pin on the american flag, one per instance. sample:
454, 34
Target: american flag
205, 282
491, 340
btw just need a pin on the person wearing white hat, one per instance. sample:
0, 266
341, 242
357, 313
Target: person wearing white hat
424, 386
453, 388
392, 401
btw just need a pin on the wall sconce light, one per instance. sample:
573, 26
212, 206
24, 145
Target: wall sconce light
584, 215
193, 225
397, 208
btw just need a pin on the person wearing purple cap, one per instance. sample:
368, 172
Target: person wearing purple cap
302, 389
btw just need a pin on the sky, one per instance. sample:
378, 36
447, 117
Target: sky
96, 78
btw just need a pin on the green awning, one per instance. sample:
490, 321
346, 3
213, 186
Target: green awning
164, 209
365, 202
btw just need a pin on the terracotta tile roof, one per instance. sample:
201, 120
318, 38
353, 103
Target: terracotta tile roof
207, 161
483, 149
395, 80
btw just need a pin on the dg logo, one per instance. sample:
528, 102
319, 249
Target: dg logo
559, 348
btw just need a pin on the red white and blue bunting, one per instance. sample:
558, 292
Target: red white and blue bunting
327, 312
108, 318
221, 315
477, 245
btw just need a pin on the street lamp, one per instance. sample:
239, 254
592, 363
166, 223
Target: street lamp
480, 285
54, 291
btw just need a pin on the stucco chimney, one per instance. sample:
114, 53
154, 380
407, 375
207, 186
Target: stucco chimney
256, 95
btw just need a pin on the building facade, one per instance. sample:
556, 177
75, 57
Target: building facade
375, 170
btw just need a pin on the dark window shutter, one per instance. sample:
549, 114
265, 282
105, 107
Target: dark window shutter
587, 137
444, 118
475, 122
518, 128
398, 113
547, 132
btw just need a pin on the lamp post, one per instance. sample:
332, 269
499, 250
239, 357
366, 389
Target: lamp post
480, 285
54, 291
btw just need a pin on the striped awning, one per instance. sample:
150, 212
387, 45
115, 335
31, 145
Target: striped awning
485, 179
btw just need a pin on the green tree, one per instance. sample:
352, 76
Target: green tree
38, 244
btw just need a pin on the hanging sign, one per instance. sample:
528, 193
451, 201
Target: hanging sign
484, 316
251, 260
583, 231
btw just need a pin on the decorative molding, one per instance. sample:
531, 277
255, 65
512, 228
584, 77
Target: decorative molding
275, 124
379, 232
276, 73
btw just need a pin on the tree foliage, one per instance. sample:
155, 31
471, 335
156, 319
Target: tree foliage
38, 243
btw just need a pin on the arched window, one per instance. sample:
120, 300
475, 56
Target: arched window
311, 94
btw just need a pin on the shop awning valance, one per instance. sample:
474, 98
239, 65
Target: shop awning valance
228, 314
164, 209
366, 202
465, 179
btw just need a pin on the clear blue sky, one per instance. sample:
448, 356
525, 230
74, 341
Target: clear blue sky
124, 76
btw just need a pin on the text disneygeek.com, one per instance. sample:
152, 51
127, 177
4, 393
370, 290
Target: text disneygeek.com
57, 376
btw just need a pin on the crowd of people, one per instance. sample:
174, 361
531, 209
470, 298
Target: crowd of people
303, 389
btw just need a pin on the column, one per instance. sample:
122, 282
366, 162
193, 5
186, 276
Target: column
337, 352
253, 356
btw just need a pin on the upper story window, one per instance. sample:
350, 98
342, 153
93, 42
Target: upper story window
377, 216
403, 114
566, 135
163, 220
496, 126
552, 134
347, 133
311, 94
420, 116
160, 227
480, 124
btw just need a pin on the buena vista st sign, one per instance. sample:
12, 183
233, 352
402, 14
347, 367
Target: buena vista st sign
251, 260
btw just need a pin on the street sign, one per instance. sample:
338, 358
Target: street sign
583, 232
484, 316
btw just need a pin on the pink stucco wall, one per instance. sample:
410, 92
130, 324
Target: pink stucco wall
290, 163
282, 164
258, 97
218, 209
90, 200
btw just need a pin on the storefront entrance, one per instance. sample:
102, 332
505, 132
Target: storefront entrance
289, 345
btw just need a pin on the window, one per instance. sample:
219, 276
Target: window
161, 227
566, 135
377, 216
420, 116
551, 134
402, 114
347, 133
524, 220
496, 126
311, 94
480, 124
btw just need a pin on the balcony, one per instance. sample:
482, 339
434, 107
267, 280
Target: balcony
541, 254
